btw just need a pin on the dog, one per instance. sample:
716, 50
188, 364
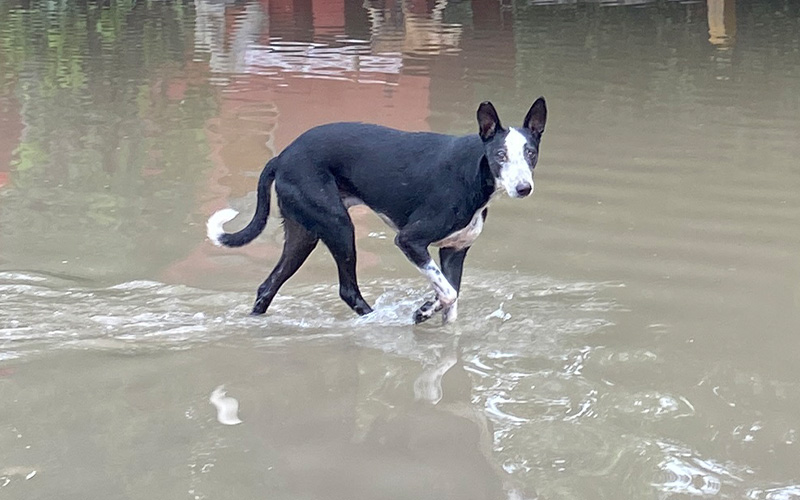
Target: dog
432, 189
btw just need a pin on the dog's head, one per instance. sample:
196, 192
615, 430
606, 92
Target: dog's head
512, 153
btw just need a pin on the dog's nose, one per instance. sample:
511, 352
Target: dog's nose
524, 189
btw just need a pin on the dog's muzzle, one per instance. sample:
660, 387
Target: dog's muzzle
524, 189
519, 189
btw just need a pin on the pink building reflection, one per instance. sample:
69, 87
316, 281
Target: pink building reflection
284, 66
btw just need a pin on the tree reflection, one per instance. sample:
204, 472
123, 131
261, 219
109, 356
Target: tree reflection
112, 112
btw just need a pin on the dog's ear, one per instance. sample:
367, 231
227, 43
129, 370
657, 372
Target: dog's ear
536, 117
488, 121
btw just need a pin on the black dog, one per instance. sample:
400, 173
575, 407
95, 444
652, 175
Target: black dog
432, 189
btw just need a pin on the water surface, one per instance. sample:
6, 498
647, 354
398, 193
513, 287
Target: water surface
630, 331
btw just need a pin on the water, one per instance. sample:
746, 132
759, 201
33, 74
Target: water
630, 331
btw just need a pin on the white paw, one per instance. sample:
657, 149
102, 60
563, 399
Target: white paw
449, 314
447, 296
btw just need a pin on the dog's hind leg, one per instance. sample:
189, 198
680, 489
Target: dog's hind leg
341, 242
297, 246
318, 206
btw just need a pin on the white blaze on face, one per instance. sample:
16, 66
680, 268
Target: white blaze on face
515, 171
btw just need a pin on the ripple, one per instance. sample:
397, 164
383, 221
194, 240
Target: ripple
790, 492
656, 405
158, 314
684, 472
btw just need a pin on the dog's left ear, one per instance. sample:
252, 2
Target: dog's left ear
536, 117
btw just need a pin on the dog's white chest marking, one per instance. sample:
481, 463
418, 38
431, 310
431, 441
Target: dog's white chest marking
459, 239
464, 237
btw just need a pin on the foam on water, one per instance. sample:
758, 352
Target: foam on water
148, 313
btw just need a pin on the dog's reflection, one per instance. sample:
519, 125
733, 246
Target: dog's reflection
438, 447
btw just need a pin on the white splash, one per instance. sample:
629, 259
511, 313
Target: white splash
499, 313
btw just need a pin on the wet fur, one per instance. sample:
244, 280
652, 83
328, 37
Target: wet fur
433, 189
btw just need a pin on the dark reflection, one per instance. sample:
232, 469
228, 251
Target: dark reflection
292, 19
416, 435
319, 421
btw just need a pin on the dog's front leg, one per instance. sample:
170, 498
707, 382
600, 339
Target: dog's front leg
416, 249
453, 267
446, 295
452, 262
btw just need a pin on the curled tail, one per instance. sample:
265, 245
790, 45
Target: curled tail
217, 234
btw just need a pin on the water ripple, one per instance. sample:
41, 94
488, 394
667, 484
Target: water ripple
684, 472
142, 312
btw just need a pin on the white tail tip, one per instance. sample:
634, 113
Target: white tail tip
215, 222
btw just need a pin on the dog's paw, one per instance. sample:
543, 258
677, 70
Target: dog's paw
447, 296
259, 308
426, 311
362, 309
450, 313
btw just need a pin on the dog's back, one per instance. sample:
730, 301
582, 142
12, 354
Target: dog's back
391, 171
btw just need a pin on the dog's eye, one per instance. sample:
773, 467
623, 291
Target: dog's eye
501, 155
530, 153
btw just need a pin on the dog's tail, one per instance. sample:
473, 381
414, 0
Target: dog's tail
219, 237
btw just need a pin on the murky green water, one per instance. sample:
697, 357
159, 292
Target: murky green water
630, 331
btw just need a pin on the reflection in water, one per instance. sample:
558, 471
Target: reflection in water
431, 449
227, 49
444, 422
422, 430
630, 332
227, 407
103, 122
412, 28
722, 22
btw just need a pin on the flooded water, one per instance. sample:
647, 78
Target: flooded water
630, 331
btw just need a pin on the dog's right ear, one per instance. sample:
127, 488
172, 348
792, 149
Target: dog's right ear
488, 121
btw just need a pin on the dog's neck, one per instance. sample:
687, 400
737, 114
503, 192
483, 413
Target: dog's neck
488, 185
477, 171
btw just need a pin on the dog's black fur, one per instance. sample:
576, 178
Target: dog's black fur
431, 188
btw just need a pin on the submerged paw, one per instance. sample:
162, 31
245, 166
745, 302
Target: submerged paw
426, 311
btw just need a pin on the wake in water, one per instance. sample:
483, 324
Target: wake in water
148, 314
